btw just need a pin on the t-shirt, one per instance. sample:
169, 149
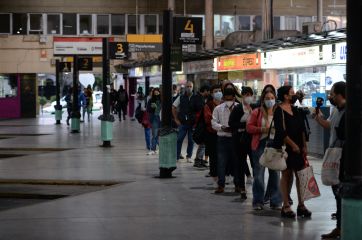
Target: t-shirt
334, 119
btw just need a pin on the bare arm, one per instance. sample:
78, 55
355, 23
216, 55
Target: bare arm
324, 123
174, 114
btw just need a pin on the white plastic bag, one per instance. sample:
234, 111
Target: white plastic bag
330, 167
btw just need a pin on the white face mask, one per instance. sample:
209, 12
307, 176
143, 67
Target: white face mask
248, 100
269, 103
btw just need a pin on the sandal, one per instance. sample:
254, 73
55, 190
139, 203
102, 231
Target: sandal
287, 212
302, 211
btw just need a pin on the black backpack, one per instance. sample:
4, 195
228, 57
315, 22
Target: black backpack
199, 132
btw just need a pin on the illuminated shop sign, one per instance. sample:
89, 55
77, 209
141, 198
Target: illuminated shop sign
238, 62
305, 57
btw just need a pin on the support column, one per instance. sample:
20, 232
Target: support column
209, 24
75, 116
58, 107
267, 19
171, 5
352, 185
106, 118
320, 11
167, 158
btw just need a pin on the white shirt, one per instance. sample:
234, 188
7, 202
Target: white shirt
220, 117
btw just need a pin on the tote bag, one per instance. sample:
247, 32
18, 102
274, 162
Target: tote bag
330, 167
307, 183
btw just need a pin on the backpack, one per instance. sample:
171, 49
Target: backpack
122, 96
199, 132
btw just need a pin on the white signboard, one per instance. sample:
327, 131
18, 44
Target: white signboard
77, 46
305, 57
198, 66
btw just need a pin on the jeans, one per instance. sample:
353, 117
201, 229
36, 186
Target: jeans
259, 184
200, 151
225, 157
148, 138
182, 131
211, 148
155, 121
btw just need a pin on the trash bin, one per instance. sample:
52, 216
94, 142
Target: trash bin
167, 153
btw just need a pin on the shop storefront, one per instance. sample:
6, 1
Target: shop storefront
241, 69
201, 72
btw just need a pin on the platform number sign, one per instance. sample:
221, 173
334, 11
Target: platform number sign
85, 64
187, 30
118, 50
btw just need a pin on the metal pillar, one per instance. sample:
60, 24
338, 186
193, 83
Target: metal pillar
352, 185
107, 119
58, 107
209, 24
171, 5
147, 86
320, 11
167, 158
267, 19
75, 116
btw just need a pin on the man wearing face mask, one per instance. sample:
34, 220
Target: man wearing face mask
336, 123
184, 110
242, 140
225, 151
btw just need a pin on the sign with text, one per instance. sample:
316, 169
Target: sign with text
238, 62
77, 46
65, 66
187, 30
145, 47
85, 64
118, 50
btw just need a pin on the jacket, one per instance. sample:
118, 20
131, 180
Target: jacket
253, 127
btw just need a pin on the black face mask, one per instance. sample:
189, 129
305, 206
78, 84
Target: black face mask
331, 100
294, 99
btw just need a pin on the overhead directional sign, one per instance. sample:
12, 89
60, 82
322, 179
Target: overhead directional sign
85, 64
187, 30
65, 66
118, 50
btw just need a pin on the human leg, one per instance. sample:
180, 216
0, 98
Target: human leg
148, 138
182, 131
286, 210
258, 183
190, 142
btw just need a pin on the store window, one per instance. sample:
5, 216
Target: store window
244, 23
290, 23
276, 23
69, 24
303, 20
150, 24
5, 23
53, 23
257, 23
118, 24
20, 23
133, 24
102, 24
8, 85
227, 25
36, 23
217, 25
85, 24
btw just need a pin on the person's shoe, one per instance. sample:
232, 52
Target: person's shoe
81, 121
302, 211
290, 200
258, 207
182, 160
243, 195
275, 207
266, 200
219, 190
156, 151
334, 216
335, 234
205, 163
68, 123
182, 157
189, 160
287, 213
151, 153
249, 180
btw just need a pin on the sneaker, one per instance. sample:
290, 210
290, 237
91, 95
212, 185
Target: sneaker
335, 234
243, 195
156, 151
258, 207
275, 207
189, 160
182, 160
151, 153
182, 157
249, 180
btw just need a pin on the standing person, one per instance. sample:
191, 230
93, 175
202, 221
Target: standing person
82, 102
241, 139
290, 130
202, 96
211, 136
336, 123
113, 99
146, 122
259, 126
89, 100
225, 151
154, 110
175, 95
122, 103
68, 100
184, 111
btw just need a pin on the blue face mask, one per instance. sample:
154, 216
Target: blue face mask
217, 96
269, 103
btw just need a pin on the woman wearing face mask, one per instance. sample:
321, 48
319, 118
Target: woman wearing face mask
241, 139
290, 130
154, 109
211, 136
258, 126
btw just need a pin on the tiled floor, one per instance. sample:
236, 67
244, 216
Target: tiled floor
145, 207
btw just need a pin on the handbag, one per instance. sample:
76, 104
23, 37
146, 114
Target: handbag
146, 120
330, 167
308, 186
274, 158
